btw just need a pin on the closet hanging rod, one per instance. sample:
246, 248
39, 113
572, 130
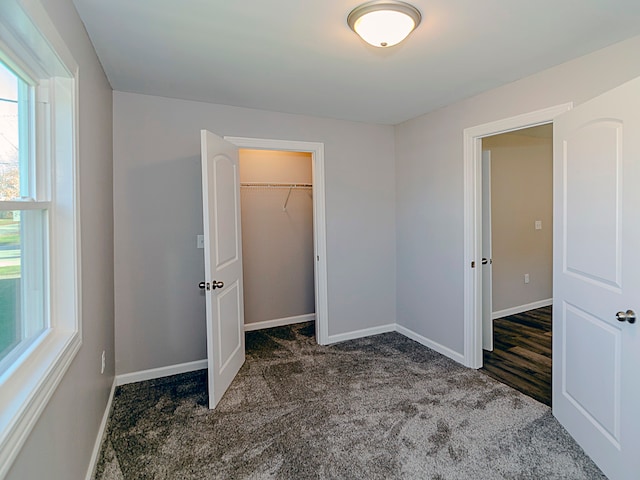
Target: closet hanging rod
276, 185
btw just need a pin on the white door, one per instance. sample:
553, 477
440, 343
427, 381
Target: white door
596, 273
222, 263
487, 307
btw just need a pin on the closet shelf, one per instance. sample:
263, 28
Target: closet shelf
290, 186
276, 185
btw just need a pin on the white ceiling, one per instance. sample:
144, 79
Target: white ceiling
299, 56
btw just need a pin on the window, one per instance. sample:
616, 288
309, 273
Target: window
23, 252
40, 325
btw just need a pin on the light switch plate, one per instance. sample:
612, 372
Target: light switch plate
200, 241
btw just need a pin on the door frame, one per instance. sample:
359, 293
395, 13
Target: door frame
316, 150
473, 218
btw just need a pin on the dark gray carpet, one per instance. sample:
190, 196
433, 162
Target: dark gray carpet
382, 407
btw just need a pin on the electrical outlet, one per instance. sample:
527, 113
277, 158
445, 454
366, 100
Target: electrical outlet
538, 225
103, 362
526, 278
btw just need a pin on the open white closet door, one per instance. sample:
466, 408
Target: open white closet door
596, 278
222, 263
487, 262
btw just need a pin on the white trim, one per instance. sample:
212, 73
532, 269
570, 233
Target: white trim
279, 322
97, 447
365, 332
446, 351
160, 372
319, 218
472, 138
522, 308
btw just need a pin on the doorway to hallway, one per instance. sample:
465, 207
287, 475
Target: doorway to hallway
517, 251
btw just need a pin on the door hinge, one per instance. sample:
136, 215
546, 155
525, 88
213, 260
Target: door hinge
473, 264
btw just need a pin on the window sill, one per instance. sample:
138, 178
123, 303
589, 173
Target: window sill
26, 389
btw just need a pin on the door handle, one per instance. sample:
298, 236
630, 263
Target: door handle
210, 286
628, 316
485, 261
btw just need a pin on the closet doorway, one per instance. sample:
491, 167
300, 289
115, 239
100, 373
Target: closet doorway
283, 233
276, 193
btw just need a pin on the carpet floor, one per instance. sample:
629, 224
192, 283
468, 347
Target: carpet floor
382, 407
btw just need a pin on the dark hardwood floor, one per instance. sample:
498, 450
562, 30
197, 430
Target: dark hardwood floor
521, 355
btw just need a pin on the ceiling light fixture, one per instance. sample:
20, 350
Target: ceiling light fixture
384, 23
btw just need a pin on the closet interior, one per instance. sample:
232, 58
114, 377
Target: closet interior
276, 194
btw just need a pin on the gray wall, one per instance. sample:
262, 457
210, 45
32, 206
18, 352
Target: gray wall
429, 183
61, 443
160, 318
521, 194
277, 244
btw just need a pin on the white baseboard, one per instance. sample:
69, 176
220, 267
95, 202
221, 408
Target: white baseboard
366, 332
279, 322
160, 372
153, 373
446, 351
522, 308
393, 327
103, 426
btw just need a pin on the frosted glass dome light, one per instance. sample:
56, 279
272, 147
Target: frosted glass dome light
384, 23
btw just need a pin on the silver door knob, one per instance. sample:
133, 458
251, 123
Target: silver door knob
203, 285
628, 316
215, 285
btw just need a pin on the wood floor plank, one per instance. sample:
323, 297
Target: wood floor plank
517, 366
522, 353
533, 356
525, 382
540, 394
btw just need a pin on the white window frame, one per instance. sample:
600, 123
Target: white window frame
34, 48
